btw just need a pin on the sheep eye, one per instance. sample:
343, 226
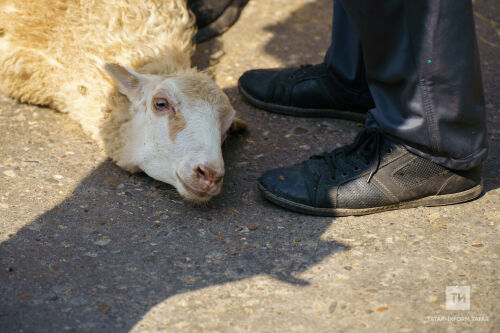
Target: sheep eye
161, 104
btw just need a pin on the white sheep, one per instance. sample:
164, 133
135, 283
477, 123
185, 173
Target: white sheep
152, 112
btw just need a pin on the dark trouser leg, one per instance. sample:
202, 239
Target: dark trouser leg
344, 58
422, 68
214, 17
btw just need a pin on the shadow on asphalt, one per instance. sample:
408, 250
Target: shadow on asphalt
121, 243
102, 258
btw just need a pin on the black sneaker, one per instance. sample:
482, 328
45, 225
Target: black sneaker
214, 17
308, 91
371, 175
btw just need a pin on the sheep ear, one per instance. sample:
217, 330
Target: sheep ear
238, 126
127, 80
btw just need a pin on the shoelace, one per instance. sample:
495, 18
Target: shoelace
367, 144
307, 69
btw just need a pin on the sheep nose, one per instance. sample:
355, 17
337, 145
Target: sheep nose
207, 177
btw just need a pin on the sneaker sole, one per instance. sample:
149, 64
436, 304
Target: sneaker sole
430, 201
302, 112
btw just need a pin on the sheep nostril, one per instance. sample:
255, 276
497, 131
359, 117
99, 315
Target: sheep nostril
207, 177
200, 172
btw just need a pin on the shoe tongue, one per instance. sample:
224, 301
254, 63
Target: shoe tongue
365, 141
307, 70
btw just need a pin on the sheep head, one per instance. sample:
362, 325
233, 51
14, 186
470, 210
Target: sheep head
177, 125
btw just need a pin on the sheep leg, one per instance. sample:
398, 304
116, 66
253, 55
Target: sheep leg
29, 76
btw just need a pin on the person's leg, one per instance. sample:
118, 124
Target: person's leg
344, 58
336, 88
426, 138
423, 71
214, 17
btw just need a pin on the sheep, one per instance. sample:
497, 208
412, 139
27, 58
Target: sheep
121, 69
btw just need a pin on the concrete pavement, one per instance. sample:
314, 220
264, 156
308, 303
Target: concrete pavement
87, 247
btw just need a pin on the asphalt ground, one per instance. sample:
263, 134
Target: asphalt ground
88, 247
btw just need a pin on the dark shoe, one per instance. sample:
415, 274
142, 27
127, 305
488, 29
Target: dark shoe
214, 17
308, 91
371, 175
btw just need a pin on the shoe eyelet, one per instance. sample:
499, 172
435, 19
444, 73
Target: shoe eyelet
332, 178
389, 150
344, 174
356, 168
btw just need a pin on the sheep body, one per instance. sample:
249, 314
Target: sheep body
121, 68
47, 47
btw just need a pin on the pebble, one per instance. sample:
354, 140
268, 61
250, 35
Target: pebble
300, 130
103, 241
111, 181
58, 177
10, 173
218, 54
305, 147
34, 226
54, 267
252, 227
51, 181
104, 308
333, 307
